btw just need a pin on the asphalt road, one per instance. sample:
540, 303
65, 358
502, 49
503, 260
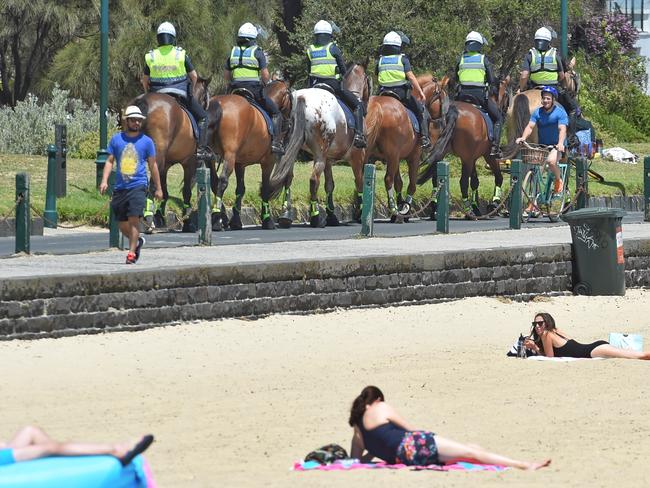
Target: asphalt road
63, 242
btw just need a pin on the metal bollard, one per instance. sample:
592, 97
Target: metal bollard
582, 179
646, 187
23, 215
442, 211
205, 214
51, 218
115, 239
100, 162
516, 176
368, 200
61, 142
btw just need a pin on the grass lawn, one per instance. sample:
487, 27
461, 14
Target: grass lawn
83, 202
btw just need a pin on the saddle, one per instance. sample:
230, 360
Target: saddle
250, 98
243, 92
390, 93
325, 86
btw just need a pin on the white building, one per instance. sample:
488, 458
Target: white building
638, 12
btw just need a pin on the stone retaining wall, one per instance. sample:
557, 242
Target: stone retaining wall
55, 306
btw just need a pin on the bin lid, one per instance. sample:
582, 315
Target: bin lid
593, 213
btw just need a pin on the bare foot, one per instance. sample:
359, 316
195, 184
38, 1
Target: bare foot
536, 466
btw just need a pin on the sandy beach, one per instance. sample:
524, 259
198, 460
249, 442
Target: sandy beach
233, 403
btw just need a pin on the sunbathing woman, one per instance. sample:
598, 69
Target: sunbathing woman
32, 443
383, 433
552, 342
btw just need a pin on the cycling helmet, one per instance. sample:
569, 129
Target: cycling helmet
543, 38
323, 27
166, 34
247, 31
474, 42
392, 39
550, 89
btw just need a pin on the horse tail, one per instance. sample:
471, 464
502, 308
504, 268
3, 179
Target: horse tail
521, 117
215, 113
427, 168
296, 140
373, 123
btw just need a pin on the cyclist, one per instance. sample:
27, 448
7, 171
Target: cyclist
551, 121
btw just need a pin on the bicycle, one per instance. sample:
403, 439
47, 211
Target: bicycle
538, 183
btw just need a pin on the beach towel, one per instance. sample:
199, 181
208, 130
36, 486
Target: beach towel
632, 342
354, 464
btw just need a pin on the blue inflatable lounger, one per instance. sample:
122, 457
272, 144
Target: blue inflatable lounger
77, 472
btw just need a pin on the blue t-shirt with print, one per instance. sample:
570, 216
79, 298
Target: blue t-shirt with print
131, 155
547, 123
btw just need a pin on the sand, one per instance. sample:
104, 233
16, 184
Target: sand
233, 403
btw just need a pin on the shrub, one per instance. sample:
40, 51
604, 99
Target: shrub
28, 127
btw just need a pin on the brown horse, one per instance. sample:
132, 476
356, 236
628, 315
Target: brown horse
320, 127
169, 126
571, 80
239, 135
391, 138
466, 135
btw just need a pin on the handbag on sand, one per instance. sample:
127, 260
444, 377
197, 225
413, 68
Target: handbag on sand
633, 342
327, 454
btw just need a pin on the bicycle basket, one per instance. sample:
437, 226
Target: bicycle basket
534, 155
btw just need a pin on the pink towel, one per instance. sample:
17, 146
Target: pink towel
350, 464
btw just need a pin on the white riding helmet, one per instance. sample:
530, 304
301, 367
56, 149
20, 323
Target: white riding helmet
323, 27
166, 28
543, 34
133, 112
475, 37
247, 30
392, 39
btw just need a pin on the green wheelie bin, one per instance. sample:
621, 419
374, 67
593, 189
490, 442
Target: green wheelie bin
598, 259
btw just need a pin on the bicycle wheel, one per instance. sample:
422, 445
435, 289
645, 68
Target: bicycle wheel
559, 202
530, 188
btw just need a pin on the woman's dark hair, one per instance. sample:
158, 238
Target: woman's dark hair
549, 321
368, 395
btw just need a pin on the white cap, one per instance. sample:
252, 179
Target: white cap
476, 37
166, 28
543, 34
392, 39
133, 112
323, 27
247, 30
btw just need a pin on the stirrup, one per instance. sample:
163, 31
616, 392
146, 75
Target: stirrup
495, 152
277, 148
359, 141
425, 142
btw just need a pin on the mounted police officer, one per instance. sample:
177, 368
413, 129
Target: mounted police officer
475, 79
394, 74
246, 68
543, 66
325, 65
169, 70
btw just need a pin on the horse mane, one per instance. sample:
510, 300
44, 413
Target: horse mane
350, 66
521, 117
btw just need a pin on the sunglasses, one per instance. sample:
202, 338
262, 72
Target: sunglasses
538, 323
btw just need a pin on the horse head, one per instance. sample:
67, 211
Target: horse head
279, 91
357, 81
571, 81
435, 96
200, 91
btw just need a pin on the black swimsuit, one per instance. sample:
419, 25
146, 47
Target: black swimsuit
573, 349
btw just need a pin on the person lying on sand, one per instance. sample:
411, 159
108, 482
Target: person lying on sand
547, 339
32, 443
381, 432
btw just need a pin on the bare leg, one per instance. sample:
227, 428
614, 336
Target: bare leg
131, 229
449, 450
608, 351
28, 436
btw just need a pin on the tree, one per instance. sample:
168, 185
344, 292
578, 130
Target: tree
31, 33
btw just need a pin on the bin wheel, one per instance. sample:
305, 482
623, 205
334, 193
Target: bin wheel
582, 288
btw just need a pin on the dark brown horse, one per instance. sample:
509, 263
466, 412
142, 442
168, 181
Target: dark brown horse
239, 135
466, 135
170, 128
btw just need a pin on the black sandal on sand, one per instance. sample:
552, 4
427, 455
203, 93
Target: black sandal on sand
139, 448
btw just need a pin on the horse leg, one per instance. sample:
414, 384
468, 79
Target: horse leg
392, 167
315, 218
464, 187
159, 217
332, 220
286, 217
219, 217
189, 170
398, 185
407, 205
235, 221
474, 194
498, 181
265, 193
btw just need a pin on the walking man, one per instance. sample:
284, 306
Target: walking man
133, 151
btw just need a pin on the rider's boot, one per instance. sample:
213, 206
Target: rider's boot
496, 142
359, 137
203, 151
425, 141
276, 144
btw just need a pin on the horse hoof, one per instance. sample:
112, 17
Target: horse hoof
268, 224
470, 216
490, 208
284, 222
332, 220
188, 227
476, 211
235, 222
216, 222
397, 219
404, 209
158, 219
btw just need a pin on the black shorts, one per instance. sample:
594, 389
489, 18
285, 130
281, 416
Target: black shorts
129, 203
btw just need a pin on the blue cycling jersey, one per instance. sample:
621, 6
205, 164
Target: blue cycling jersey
548, 123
